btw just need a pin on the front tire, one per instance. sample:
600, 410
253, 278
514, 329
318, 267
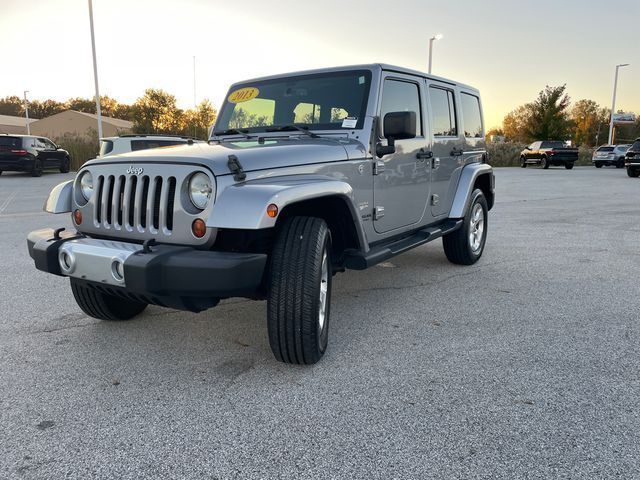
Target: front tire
632, 172
465, 245
568, 165
66, 165
620, 163
523, 162
299, 299
598, 165
103, 306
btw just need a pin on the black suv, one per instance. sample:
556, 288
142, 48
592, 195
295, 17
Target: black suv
28, 153
632, 159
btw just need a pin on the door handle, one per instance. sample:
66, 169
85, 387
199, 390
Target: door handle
456, 152
424, 154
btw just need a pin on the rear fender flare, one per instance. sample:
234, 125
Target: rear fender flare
466, 184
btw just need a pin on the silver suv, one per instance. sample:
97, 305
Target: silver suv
305, 175
610, 155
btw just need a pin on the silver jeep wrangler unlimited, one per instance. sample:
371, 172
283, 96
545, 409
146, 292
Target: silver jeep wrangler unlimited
305, 175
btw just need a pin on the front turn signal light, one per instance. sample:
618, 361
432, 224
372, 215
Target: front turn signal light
199, 228
272, 210
77, 216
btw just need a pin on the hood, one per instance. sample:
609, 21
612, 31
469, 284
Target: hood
273, 153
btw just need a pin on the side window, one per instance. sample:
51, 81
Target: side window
50, 145
443, 111
40, 143
471, 115
399, 96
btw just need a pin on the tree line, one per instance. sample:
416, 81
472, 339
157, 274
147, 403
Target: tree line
552, 116
154, 112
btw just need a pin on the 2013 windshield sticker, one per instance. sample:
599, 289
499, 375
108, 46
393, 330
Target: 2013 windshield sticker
243, 95
350, 122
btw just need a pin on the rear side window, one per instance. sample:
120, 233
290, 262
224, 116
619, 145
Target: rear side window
553, 145
399, 96
7, 143
146, 144
605, 149
471, 116
443, 112
106, 146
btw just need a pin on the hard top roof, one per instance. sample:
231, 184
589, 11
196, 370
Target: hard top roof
370, 66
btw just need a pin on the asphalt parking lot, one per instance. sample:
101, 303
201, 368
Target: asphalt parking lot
525, 365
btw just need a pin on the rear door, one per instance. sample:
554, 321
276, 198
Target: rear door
55, 156
401, 184
448, 145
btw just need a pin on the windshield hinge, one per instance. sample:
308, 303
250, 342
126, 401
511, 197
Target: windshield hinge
236, 168
378, 167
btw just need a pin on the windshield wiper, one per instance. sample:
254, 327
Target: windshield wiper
233, 131
288, 128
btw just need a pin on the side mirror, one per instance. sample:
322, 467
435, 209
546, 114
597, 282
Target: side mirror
396, 126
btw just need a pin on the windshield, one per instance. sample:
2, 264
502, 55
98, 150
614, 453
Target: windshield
327, 101
636, 146
106, 146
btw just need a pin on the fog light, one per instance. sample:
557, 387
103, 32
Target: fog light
77, 217
272, 210
67, 262
117, 270
199, 228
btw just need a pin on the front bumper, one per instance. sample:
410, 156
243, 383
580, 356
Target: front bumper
167, 275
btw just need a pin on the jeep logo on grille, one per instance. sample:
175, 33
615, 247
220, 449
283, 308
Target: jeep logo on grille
135, 170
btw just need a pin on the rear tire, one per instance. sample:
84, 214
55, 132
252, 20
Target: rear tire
632, 172
523, 162
465, 245
66, 165
544, 163
299, 299
37, 168
103, 306
620, 163
598, 165
568, 165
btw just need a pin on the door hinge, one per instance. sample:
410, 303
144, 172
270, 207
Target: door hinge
435, 199
378, 212
378, 167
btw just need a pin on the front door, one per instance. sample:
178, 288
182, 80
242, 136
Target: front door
401, 180
448, 146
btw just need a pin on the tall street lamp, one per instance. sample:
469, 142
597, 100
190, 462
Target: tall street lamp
431, 40
95, 71
26, 112
613, 103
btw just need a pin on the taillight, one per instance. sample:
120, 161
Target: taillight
552, 152
19, 152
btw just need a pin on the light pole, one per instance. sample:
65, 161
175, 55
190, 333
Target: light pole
431, 40
95, 71
613, 103
26, 112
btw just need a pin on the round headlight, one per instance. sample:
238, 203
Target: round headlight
86, 185
200, 190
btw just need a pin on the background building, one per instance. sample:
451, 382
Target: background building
71, 122
10, 124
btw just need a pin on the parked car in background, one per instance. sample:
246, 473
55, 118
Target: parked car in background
28, 153
610, 155
134, 142
632, 159
547, 153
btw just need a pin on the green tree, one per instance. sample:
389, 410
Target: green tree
198, 121
45, 108
548, 115
589, 120
12, 105
156, 112
515, 124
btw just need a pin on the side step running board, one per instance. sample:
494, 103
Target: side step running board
380, 253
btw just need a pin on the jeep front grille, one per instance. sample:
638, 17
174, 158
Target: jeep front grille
152, 204
143, 204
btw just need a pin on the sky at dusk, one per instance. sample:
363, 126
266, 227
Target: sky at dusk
508, 49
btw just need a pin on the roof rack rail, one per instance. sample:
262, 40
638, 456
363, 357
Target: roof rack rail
186, 137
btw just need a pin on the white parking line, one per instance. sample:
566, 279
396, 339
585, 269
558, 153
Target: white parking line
8, 201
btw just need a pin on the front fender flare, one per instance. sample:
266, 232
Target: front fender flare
468, 177
59, 200
244, 205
